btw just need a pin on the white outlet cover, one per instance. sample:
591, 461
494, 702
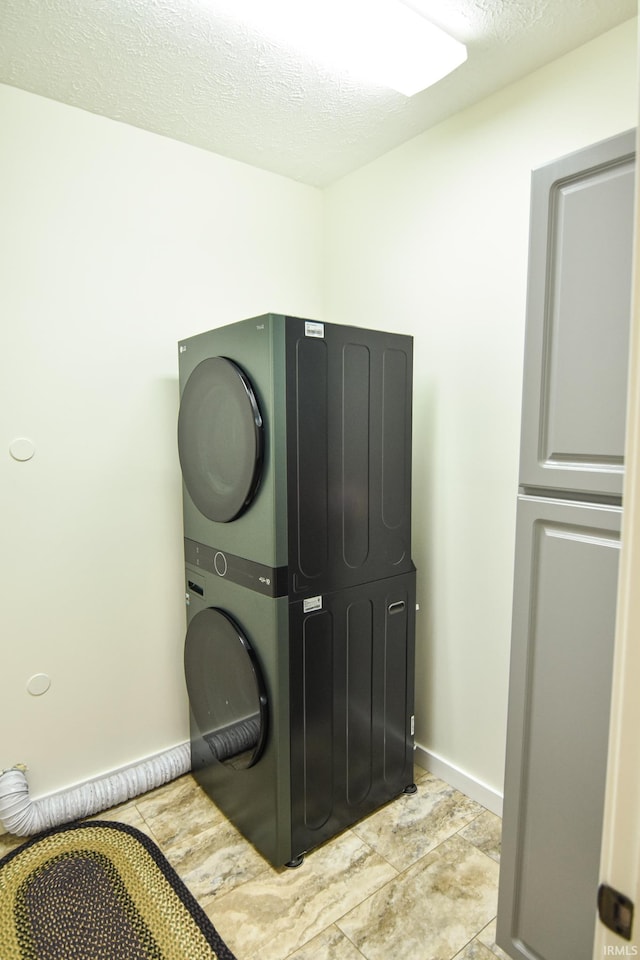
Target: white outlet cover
38, 684
22, 448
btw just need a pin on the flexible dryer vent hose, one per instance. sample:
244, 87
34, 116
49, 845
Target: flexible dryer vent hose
22, 816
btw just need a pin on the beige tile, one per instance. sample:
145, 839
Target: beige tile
178, 810
282, 910
487, 936
434, 909
485, 833
331, 944
475, 951
413, 824
214, 861
124, 813
347, 901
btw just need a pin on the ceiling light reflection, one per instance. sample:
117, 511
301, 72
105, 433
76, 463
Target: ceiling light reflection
382, 42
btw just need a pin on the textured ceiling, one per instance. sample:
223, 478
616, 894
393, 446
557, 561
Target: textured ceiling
194, 71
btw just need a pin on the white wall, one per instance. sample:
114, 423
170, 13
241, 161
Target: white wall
114, 243
432, 239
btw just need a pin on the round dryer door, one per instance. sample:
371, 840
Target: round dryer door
226, 691
220, 439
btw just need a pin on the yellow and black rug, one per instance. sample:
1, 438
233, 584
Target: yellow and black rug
99, 891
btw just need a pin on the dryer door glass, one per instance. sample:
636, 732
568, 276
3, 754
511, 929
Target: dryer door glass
227, 693
220, 439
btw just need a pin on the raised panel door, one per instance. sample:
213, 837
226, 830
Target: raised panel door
578, 316
559, 699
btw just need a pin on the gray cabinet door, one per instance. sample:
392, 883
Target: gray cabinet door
578, 314
559, 697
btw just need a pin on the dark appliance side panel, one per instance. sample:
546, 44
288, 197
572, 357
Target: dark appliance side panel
352, 690
349, 415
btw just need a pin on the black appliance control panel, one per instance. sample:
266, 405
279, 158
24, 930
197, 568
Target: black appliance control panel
246, 573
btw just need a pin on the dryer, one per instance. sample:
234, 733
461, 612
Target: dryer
295, 446
301, 714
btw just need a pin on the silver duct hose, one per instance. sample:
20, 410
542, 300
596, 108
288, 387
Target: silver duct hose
21, 816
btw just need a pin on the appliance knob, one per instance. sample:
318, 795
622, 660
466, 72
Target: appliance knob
220, 564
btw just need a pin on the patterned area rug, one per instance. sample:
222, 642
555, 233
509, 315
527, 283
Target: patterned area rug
99, 891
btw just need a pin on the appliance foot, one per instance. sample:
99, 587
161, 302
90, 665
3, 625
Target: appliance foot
410, 788
296, 862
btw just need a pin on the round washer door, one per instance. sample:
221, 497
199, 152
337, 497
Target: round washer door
220, 439
226, 690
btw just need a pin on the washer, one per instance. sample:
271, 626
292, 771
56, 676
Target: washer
295, 446
301, 713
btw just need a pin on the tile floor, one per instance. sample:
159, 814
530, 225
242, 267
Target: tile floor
417, 878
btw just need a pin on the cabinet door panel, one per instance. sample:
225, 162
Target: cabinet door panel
578, 316
559, 698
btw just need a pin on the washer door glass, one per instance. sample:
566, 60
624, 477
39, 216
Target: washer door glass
220, 439
226, 690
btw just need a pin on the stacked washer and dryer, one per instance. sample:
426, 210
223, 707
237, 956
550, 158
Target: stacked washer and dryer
295, 448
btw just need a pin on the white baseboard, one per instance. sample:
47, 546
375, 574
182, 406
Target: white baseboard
464, 782
467, 784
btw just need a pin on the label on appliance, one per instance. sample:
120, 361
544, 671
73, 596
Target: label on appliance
313, 603
312, 329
